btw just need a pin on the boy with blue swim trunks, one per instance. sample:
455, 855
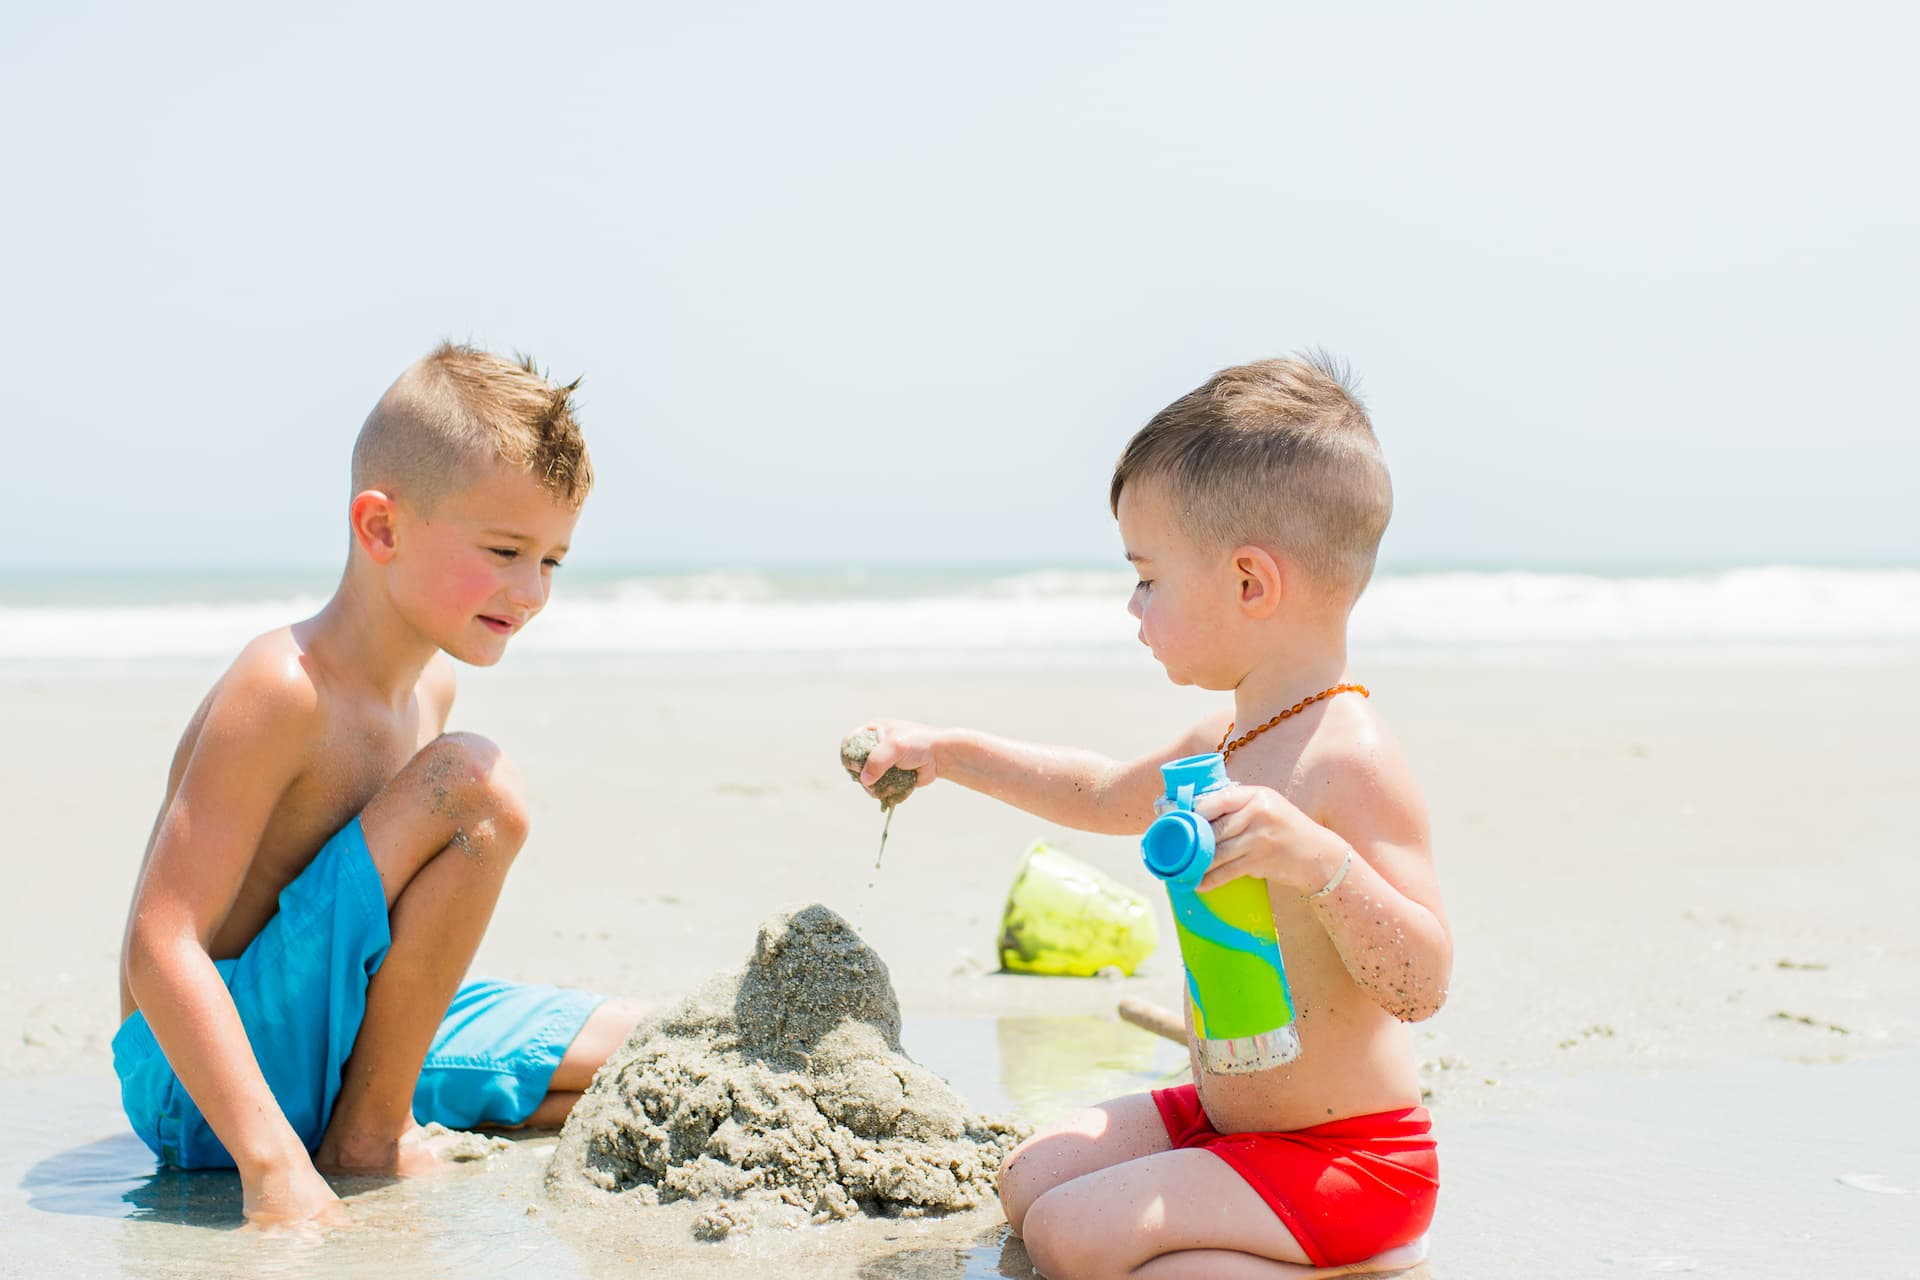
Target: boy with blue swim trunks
327, 857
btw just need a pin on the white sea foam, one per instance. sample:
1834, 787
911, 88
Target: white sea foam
67, 632
1748, 609
1068, 616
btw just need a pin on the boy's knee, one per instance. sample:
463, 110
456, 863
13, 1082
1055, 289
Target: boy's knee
507, 807
470, 780
1016, 1185
1057, 1249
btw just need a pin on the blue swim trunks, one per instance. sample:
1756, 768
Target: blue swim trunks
301, 989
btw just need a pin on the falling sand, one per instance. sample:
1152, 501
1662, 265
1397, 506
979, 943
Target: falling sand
890, 789
779, 1093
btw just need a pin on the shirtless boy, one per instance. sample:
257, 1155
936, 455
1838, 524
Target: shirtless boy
1251, 509
327, 857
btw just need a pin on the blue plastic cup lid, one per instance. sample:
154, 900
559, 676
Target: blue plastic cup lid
1173, 842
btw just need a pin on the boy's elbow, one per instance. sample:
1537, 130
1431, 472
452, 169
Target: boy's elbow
1432, 996
137, 958
1425, 995
150, 947
1421, 1010
1414, 1006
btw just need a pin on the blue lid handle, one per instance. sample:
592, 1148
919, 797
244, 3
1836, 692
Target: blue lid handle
1194, 775
1179, 844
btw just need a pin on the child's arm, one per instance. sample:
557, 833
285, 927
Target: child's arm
248, 751
1064, 785
1368, 838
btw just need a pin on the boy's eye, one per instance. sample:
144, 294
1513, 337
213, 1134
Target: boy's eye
505, 553
1143, 584
550, 563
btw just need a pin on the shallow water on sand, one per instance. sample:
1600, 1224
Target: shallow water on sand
85, 1204
1770, 1170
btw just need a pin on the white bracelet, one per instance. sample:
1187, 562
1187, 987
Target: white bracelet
1334, 883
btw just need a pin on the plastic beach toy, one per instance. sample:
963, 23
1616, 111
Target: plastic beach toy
1242, 1008
1067, 918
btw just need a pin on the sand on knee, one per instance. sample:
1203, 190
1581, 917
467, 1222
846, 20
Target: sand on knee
780, 1091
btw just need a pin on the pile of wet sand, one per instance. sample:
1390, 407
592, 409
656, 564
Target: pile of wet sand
780, 1091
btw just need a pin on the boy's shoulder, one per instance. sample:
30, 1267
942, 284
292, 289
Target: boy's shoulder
278, 685
276, 666
1354, 770
1348, 772
270, 690
257, 728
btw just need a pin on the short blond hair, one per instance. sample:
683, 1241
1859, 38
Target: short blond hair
1278, 453
460, 407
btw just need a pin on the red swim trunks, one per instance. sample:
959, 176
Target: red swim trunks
1346, 1190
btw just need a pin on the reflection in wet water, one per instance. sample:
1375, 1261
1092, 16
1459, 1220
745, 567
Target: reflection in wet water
116, 1178
166, 1223
1052, 1066
999, 1254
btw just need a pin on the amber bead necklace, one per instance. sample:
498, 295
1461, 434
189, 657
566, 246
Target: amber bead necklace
1227, 748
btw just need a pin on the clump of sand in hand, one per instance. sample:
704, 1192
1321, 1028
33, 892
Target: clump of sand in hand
780, 1089
893, 786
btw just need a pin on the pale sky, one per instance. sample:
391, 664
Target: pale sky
893, 283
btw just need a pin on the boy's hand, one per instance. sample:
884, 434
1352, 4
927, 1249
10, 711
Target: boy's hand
291, 1194
1259, 832
902, 745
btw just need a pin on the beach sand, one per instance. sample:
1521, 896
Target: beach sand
1672, 889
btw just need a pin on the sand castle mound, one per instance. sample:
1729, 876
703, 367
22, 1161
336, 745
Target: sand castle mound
781, 1085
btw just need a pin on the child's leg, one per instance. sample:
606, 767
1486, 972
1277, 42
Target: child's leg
1112, 1133
604, 1031
442, 835
1178, 1213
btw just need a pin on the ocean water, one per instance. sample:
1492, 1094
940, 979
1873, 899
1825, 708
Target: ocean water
134, 623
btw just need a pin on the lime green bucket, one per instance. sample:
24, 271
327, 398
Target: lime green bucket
1065, 917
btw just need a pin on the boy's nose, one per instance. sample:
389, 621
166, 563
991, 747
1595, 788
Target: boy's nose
527, 591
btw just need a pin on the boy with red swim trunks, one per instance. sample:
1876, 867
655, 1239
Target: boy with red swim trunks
1251, 508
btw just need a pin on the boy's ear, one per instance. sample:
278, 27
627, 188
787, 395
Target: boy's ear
1260, 581
372, 518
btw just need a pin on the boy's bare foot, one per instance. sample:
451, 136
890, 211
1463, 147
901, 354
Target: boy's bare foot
423, 1149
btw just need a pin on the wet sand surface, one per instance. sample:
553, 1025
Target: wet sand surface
81, 1195
1776, 1169
1681, 1035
